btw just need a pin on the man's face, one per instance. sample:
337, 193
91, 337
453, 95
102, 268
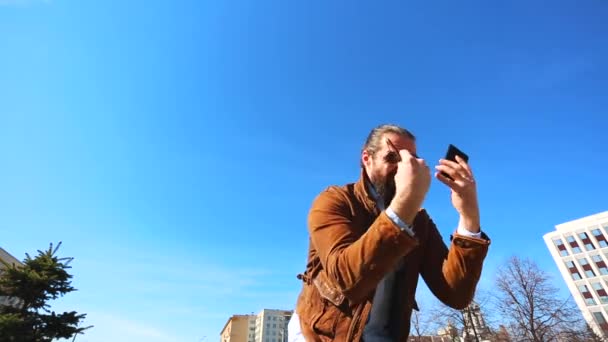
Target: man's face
382, 166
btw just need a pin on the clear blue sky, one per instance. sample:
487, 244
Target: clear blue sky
175, 146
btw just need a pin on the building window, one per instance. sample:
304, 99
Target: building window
274, 325
601, 265
599, 290
586, 241
573, 244
599, 318
573, 270
560, 247
586, 267
600, 238
586, 295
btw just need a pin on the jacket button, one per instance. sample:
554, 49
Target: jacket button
372, 267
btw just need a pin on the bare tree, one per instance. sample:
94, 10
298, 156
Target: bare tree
581, 333
501, 335
529, 303
450, 320
416, 326
420, 326
466, 322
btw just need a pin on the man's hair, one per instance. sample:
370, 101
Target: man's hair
373, 141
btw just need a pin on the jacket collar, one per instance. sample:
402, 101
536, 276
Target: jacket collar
364, 192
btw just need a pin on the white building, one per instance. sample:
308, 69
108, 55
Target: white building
267, 326
271, 325
580, 249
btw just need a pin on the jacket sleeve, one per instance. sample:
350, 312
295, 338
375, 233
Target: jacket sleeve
452, 274
354, 263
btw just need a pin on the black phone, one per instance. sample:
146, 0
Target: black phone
451, 154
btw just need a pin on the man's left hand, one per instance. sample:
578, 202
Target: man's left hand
464, 191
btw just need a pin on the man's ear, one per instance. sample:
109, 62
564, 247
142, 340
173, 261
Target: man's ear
365, 157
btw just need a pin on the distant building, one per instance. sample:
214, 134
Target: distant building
6, 257
580, 250
450, 332
502, 335
267, 326
476, 328
236, 329
429, 339
271, 325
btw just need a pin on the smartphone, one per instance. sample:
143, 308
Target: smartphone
451, 154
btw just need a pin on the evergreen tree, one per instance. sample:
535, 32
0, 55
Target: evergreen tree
28, 288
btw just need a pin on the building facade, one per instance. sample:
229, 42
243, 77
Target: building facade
271, 325
475, 327
237, 329
6, 257
580, 249
267, 326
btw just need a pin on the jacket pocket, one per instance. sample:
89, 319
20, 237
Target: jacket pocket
327, 290
324, 323
328, 304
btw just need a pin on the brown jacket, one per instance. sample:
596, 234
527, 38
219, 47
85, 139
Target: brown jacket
353, 245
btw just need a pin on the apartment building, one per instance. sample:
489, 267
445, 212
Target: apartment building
267, 326
237, 329
580, 250
271, 325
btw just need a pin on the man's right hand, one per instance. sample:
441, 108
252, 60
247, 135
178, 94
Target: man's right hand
412, 182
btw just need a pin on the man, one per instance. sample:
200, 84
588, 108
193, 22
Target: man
370, 240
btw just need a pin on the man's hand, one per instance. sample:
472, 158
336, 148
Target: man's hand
412, 182
464, 191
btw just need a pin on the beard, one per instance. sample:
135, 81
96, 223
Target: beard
386, 188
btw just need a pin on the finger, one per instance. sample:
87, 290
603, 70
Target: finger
450, 163
445, 180
395, 149
420, 161
465, 166
455, 174
463, 173
391, 145
425, 167
406, 155
453, 185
